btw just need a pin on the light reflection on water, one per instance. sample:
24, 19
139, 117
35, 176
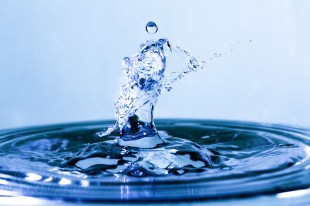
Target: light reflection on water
273, 158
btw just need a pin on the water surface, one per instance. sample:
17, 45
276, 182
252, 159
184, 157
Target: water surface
239, 159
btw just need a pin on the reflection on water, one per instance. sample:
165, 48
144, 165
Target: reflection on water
224, 159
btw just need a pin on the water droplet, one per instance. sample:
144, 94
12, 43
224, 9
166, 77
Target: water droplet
217, 55
151, 27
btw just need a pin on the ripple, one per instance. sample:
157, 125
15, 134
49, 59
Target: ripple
224, 159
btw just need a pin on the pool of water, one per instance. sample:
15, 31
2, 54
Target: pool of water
228, 160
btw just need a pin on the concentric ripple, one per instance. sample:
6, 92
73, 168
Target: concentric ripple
229, 159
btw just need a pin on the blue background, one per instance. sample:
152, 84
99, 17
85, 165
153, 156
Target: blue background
60, 61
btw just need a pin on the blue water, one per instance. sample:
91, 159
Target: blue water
239, 159
131, 159
153, 70
151, 27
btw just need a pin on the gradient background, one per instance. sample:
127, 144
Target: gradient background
60, 61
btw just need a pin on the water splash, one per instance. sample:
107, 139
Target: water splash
148, 73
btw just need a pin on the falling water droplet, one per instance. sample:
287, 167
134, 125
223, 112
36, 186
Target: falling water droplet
151, 27
217, 55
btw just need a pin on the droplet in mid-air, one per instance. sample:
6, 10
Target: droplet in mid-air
151, 27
